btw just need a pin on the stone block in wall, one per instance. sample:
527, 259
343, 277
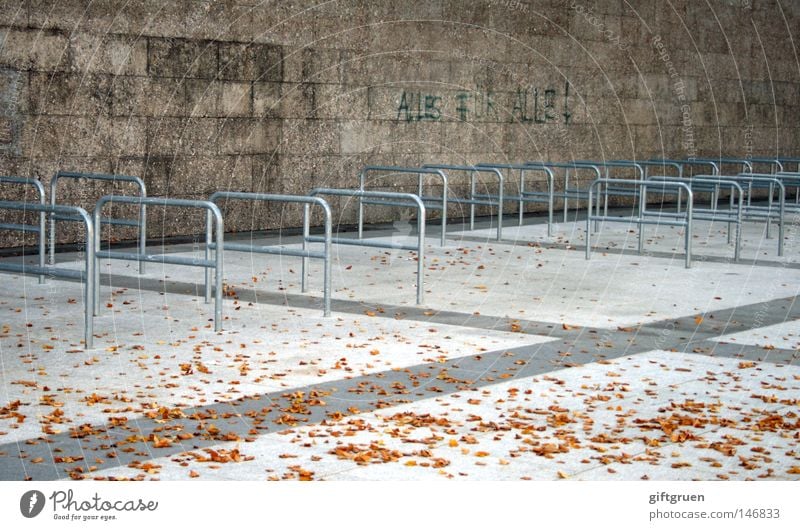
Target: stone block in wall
763, 115
343, 29
321, 65
669, 113
98, 16
182, 136
248, 136
268, 100
340, 102
126, 135
354, 67
202, 174
282, 22
149, 96
300, 174
638, 111
297, 100
154, 170
13, 108
203, 97
758, 92
182, 58
30, 49
69, 94
209, 19
310, 136
58, 136
14, 13
266, 177
420, 137
235, 99
365, 136
109, 54
250, 62
293, 64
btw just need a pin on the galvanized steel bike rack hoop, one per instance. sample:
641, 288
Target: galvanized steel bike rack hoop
474, 199
646, 164
641, 219
75, 214
746, 165
775, 164
41, 229
385, 198
432, 203
619, 192
141, 223
688, 162
541, 197
207, 263
733, 215
568, 193
305, 254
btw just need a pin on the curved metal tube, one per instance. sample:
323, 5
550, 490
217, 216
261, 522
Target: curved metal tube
42, 229
219, 237
306, 202
472, 201
107, 178
78, 214
420, 247
414, 170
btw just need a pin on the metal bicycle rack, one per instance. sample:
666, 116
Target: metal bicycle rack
642, 218
305, 254
734, 215
568, 193
434, 203
206, 263
767, 213
775, 163
141, 223
87, 275
745, 165
385, 198
792, 177
41, 229
541, 197
688, 163
473, 199
646, 164
619, 192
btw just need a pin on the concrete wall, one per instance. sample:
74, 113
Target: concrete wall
197, 96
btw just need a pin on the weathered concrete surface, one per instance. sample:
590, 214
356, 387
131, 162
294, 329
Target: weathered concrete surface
526, 362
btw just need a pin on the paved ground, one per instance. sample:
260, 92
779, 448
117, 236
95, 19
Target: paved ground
525, 362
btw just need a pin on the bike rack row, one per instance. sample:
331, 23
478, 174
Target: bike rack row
87, 275
741, 188
214, 237
642, 218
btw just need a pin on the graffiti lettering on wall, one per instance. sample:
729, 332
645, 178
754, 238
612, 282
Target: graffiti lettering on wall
523, 105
